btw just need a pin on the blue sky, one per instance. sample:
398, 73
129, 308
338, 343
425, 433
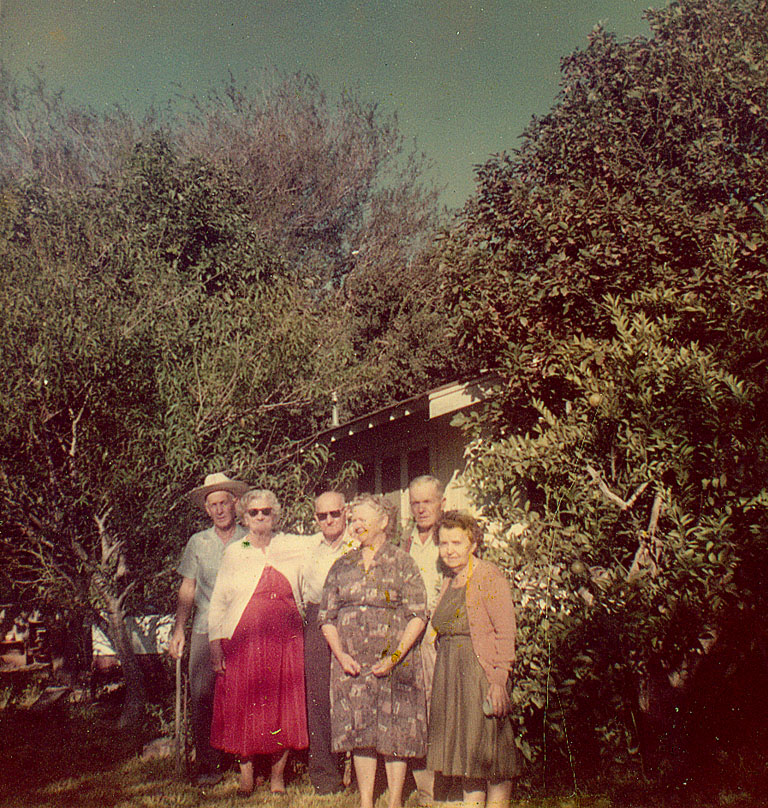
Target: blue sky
463, 77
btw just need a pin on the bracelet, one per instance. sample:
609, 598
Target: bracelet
395, 657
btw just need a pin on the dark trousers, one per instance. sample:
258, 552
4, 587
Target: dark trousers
323, 765
202, 681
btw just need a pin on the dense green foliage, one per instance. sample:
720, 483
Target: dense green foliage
178, 299
615, 273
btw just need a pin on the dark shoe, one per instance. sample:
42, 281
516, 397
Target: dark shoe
207, 779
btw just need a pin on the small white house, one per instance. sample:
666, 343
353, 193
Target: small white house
409, 438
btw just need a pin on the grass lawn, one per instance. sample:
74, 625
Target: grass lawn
76, 757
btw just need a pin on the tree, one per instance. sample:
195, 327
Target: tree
175, 305
149, 337
613, 271
346, 206
334, 188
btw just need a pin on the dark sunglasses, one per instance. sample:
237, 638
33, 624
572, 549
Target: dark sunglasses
323, 515
257, 511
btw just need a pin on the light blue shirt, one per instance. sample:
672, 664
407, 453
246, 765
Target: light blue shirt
201, 561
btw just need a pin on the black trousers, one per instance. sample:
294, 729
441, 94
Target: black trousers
323, 764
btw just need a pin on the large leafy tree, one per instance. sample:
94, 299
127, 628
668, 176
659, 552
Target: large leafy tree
614, 271
175, 304
331, 185
150, 336
179, 299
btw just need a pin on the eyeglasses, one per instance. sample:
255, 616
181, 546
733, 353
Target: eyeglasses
257, 511
323, 515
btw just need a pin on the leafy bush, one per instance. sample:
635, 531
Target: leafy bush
614, 273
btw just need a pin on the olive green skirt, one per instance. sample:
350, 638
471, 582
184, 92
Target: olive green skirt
463, 741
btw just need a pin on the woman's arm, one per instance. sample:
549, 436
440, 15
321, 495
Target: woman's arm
217, 656
496, 596
348, 663
501, 610
412, 631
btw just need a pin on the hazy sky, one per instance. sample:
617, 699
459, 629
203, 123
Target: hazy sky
464, 77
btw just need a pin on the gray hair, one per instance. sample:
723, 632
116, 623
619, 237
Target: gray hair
382, 506
331, 491
259, 493
428, 478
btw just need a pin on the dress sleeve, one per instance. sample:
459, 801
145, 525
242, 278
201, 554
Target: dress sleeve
500, 605
413, 591
329, 605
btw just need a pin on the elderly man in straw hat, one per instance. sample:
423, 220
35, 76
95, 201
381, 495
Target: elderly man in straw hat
198, 568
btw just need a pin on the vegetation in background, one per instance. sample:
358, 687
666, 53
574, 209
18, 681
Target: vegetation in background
173, 307
614, 272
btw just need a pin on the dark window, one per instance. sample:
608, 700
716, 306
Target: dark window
390, 474
418, 463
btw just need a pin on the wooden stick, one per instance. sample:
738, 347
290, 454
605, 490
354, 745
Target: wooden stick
177, 725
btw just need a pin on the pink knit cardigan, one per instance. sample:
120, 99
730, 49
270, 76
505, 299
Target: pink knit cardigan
491, 613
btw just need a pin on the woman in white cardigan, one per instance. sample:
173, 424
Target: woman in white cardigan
257, 645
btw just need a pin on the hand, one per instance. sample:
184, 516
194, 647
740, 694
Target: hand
349, 664
218, 665
385, 665
499, 700
176, 643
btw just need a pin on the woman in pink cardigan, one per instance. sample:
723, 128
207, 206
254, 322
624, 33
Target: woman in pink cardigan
470, 732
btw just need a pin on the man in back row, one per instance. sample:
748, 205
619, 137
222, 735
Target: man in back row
427, 503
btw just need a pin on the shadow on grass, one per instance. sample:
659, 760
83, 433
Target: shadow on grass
153, 784
78, 758
39, 749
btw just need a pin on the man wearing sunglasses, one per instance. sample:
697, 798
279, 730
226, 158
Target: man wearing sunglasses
198, 569
326, 547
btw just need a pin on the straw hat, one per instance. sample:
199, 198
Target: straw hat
216, 482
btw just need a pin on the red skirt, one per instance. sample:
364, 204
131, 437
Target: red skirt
259, 704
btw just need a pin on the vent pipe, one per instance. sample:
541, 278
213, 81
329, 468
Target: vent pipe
335, 409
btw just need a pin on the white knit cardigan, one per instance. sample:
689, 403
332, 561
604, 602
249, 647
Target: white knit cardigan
241, 569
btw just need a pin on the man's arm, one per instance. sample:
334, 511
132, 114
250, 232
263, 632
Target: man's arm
183, 611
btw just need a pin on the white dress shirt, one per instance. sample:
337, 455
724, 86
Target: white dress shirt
320, 557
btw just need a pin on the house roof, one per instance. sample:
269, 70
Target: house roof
433, 403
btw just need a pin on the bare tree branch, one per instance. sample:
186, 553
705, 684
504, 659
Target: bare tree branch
124, 594
75, 422
615, 498
106, 546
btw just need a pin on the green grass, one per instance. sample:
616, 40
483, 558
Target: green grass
154, 784
76, 757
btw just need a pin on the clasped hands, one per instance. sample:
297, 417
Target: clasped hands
383, 667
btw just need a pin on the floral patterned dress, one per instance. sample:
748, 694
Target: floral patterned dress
370, 611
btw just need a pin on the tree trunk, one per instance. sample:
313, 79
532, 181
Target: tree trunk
135, 692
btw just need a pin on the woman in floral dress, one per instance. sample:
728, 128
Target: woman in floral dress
373, 611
